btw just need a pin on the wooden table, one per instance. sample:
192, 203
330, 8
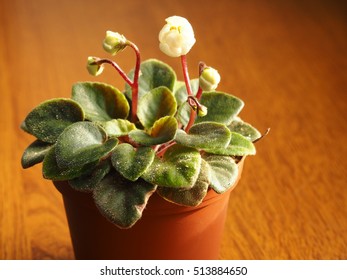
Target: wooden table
286, 59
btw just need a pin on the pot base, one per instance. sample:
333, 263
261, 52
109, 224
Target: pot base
166, 231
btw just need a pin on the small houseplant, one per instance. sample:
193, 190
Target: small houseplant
177, 139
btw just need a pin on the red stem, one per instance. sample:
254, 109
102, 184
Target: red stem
186, 74
199, 93
119, 70
191, 120
202, 66
135, 83
162, 151
189, 90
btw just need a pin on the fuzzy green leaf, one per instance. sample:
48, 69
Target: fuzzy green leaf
183, 113
178, 86
130, 162
121, 201
222, 107
189, 197
48, 120
238, 146
206, 136
223, 172
154, 73
35, 153
162, 131
245, 129
179, 168
117, 128
23, 126
157, 103
101, 102
70, 150
87, 182
52, 171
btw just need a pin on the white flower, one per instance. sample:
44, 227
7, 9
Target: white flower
209, 79
93, 67
176, 37
114, 42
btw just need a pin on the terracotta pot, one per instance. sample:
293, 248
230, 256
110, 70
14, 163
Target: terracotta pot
166, 231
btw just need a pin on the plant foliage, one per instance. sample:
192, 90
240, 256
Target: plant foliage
94, 142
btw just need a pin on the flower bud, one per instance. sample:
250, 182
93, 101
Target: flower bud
209, 79
114, 42
93, 67
176, 37
202, 111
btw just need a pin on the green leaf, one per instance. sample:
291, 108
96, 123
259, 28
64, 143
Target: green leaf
51, 170
245, 129
48, 120
238, 146
223, 172
179, 168
154, 73
35, 153
222, 107
117, 128
87, 182
189, 197
23, 126
180, 90
130, 162
81, 143
101, 102
177, 86
183, 113
121, 201
157, 103
206, 136
163, 130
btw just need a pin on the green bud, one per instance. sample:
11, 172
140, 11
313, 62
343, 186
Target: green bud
202, 111
209, 79
114, 42
93, 67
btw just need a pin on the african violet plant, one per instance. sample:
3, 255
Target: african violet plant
178, 138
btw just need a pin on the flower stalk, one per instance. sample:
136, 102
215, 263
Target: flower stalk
135, 84
95, 67
189, 90
186, 74
202, 66
101, 61
199, 93
162, 148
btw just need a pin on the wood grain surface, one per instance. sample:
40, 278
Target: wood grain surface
286, 59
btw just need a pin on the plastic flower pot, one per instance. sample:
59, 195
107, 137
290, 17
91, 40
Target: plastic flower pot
166, 231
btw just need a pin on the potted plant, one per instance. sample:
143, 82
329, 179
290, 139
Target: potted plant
170, 149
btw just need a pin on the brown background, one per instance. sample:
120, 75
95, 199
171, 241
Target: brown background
286, 59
